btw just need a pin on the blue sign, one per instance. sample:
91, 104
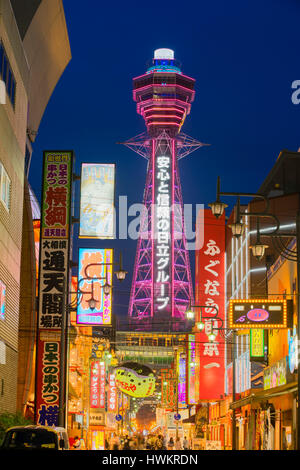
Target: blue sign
177, 417
292, 351
119, 418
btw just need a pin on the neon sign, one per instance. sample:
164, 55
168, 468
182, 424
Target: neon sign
135, 380
97, 195
162, 237
258, 313
100, 270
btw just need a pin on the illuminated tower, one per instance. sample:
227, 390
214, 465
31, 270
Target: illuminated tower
162, 283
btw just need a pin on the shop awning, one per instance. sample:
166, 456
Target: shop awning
262, 395
190, 420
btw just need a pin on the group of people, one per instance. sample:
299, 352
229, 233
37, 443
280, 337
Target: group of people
153, 442
125, 443
177, 445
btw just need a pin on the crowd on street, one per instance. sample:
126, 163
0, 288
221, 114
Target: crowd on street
151, 442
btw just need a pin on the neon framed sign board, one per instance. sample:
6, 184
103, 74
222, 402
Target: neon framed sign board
97, 198
259, 313
94, 269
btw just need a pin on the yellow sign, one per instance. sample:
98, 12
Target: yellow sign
257, 343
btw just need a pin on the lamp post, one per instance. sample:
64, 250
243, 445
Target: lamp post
258, 250
120, 274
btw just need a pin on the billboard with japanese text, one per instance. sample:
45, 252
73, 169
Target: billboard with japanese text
168, 389
210, 295
191, 370
162, 230
95, 268
97, 200
97, 384
54, 239
53, 270
112, 396
47, 384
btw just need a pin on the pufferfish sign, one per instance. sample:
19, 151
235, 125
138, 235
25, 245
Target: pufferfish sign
135, 379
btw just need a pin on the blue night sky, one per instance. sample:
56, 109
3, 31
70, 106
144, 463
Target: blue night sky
244, 57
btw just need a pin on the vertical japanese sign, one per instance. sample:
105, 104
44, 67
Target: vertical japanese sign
112, 405
168, 388
102, 385
182, 379
97, 199
95, 267
257, 342
191, 370
2, 300
162, 230
95, 385
54, 241
53, 279
48, 360
211, 293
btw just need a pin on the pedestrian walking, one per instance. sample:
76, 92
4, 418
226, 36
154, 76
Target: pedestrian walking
115, 442
171, 444
126, 445
178, 444
185, 443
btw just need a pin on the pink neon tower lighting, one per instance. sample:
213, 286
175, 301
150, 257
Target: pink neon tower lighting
162, 284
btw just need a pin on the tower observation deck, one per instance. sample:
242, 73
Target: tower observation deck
162, 284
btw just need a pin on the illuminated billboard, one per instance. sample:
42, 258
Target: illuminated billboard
259, 313
191, 370
94, 269
257, 342
210, 293
135, 380
97, 197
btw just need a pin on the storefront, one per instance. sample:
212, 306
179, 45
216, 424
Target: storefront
270, 420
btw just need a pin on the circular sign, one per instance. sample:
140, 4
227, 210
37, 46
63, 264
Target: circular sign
177, 417
258, 314
118, 417
135, 380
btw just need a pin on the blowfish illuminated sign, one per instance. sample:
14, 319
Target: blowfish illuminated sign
259, 313
135, 380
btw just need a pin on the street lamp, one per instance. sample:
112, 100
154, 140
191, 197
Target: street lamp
237, 227
258, 250
218, 207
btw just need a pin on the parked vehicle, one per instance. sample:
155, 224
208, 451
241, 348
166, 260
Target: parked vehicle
35, 437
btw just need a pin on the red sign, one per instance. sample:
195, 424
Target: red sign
210, 292
95, 385
168, 388
112, 394
102, 385
47, 390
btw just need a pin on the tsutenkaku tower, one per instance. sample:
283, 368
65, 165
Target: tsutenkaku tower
162, 284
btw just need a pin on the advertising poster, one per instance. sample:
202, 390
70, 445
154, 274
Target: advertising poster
94, 270
210, 294
47, 387
97, 201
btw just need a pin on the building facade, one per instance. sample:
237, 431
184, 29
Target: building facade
27, 55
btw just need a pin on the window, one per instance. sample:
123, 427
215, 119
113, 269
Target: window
4, 187
7, 75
